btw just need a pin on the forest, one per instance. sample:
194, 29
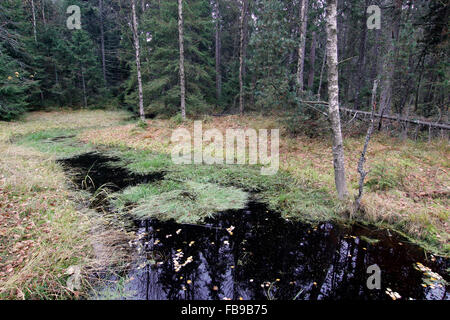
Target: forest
351, 97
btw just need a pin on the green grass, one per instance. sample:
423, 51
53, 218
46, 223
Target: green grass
136, 194
281, 192
58, 142
191, 203
142, 162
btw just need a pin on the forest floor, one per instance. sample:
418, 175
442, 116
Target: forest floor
43, 231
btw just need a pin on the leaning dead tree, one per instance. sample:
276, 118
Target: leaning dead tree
365, 114
362, 159
398, 119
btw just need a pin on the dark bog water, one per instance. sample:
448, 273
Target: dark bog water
255, 254
93, 170
269, 257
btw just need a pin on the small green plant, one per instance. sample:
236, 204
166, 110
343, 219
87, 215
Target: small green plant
142, 124
177, 119
382, 178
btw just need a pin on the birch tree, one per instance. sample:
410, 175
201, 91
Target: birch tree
333, 105
389, 62
301, 47
182, 76
312, 62
138, 60
34, 20
102, 40
241, 56
217, 51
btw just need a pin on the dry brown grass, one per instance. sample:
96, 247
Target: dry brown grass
39, 121
42, 232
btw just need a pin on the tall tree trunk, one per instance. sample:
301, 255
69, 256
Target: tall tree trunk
389, 63
217, 39
301, 47
138, 61
102, 40
56, 75
375, 69
312, 62
361, 59
34, 20
321, 74
182, 77
333, 93
241, 56
83, 83
43, 12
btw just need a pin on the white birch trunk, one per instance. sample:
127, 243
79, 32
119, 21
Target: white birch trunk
217, 40
333, 93
138, 61
102, 39
182, 76
241, 57
34, 20
301, 47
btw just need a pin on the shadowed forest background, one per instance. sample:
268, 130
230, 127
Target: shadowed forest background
92, 205
44, 64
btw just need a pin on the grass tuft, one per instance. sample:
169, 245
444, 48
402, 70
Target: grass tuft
189, 204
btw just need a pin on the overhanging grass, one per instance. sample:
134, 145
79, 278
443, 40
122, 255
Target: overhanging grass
280, 191
189, 204
135, 194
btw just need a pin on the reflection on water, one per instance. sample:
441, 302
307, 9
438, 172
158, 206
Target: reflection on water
265, 256
255, 254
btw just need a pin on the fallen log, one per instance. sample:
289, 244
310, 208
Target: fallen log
394, 118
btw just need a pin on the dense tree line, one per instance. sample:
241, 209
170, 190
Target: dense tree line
238, 56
